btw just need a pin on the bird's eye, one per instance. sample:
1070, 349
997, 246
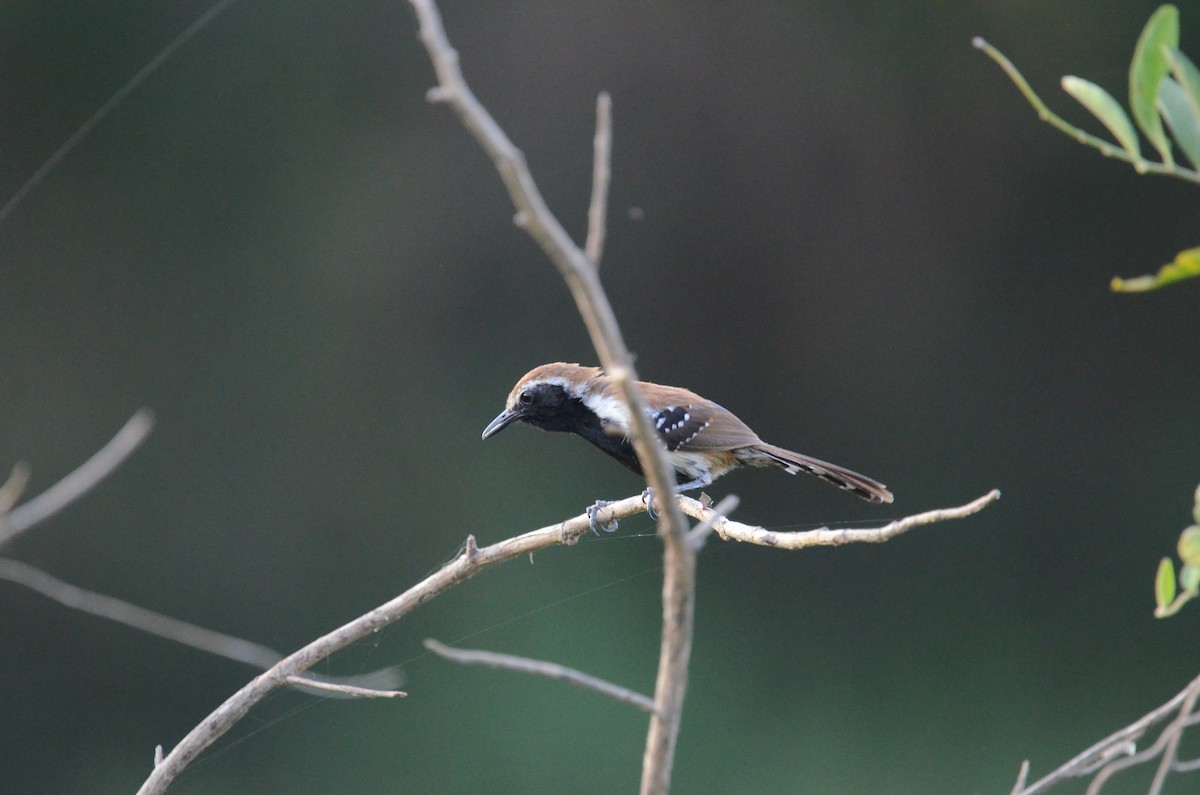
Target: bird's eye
526, 398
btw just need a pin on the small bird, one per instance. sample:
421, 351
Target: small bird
703, 440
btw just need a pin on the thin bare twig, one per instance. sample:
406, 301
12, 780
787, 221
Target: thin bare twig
549, 670
581, 277
79, 482
825, 537
173, 629
14, 487
351, 691
593, 247
130, 615
1022, 776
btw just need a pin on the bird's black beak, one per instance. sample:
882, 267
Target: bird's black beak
505, 419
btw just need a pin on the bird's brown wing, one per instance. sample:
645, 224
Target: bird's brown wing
700, 425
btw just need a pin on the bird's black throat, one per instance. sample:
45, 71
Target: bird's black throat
552, 408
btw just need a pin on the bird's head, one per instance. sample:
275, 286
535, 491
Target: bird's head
553, 397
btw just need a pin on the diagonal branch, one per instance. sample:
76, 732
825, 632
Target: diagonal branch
1117, 751
549, 670
381, 682
98, 604
467, 564
79, 482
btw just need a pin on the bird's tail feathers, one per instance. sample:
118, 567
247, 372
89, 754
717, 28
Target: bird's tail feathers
861, 485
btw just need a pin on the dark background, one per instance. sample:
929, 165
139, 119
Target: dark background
854, 232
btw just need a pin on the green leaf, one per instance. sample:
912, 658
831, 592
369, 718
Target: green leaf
1147, 70
1181, 116
1185, 73
1189, 578
1185, 266
1189, 545
1164, 584
1107, 110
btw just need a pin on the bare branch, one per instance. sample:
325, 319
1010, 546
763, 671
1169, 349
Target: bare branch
825, 537
352, 691
581, 277
1022, 776
593, 248
172, 629
470, 561
542, 668
572, 263
14, 487
1173, 734
79, 482
130, 615
1117, 751
580, 274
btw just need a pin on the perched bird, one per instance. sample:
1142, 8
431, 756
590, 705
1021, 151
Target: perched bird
703, 440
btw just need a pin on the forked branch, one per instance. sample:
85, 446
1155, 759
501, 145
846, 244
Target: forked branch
469, 562
1118, 751
579, 271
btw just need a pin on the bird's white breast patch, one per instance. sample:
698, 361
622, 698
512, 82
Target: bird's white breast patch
609, 409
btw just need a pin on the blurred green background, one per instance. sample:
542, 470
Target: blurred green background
837, 219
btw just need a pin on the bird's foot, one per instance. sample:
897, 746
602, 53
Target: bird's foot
592, 510
648, 498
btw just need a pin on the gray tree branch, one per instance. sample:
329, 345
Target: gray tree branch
466, 564
581, 275
730, 530
375, 684
543, 668
1119, 752
593, 247
81, 481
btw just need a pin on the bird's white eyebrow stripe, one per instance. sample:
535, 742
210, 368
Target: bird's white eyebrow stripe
552, 381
